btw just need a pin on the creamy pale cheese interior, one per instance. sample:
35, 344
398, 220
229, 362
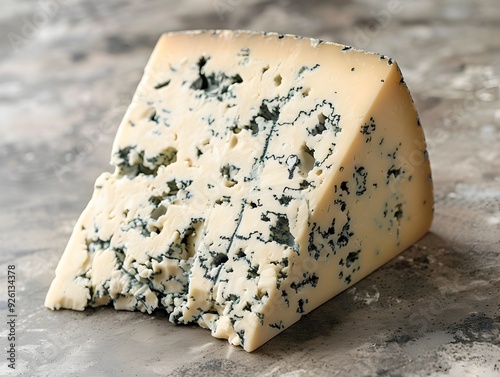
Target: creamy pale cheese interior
256, 176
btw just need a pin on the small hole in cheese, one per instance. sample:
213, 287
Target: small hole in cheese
233, 141
277, 80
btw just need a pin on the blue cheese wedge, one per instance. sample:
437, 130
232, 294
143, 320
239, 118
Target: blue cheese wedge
257, 175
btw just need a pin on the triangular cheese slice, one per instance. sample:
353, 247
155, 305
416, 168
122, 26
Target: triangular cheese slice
256, 176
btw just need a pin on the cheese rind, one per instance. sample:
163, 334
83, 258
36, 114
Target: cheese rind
256, 176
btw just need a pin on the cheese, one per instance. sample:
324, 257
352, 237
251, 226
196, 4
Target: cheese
256, 176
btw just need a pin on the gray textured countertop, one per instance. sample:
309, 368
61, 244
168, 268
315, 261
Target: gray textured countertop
67, 73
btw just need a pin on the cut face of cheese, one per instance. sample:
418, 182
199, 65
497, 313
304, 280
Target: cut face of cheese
256, 176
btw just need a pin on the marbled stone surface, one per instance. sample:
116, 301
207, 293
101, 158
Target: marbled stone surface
67, 72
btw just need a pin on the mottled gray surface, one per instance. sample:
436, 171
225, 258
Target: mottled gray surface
65, 82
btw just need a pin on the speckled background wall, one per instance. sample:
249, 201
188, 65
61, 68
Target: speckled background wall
67, 73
